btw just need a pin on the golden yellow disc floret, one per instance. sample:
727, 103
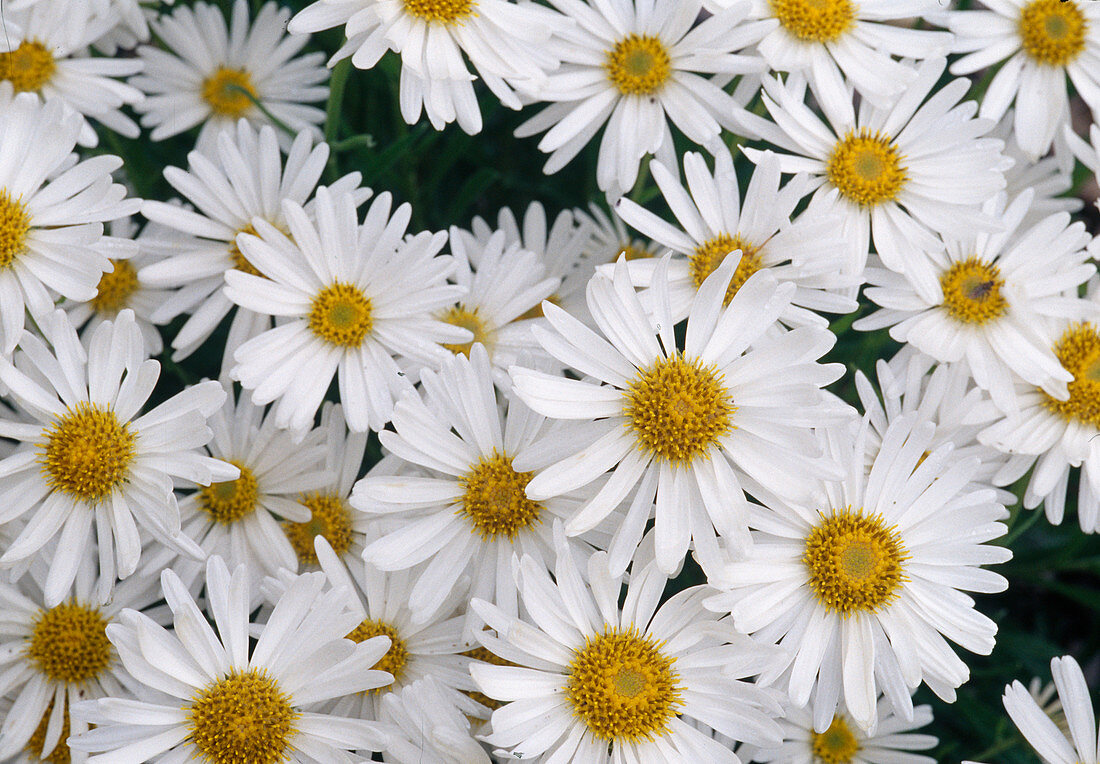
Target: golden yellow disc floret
836, 745
471, 319
69, 643
855, 562
231, 500
866, 168
15, 224
240, 262
709, 255
639, 65
330, 519
623, 687
445, 11
242, 718
28, 67
1078, 350
494, 498
115, 288
815, 20
396, 658
972, 291
341, 315
1053, 32
87, 453
229, 92
678, 409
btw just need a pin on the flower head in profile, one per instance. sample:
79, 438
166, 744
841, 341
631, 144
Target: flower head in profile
206, 696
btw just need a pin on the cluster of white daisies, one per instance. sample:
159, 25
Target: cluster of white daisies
567, 411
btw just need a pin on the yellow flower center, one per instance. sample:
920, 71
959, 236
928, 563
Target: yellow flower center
243, 717
631, 252
231, 500
229, 92
447, 11
815, 20
115, 287
836, 745
395, 659
972, 291
1053, 31
639, 65
28, 67
623, 687
678, 409
854, 562
468, 318
240, 262
709, 255
341, 315
1078, 350
866, 168
536, 310
60, 753
495, 501
87, 452
15, 223
69, 643
331, 519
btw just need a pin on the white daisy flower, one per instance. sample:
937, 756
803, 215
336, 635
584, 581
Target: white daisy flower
634, 68
466, 513
210, 700
695, 428
244, 177
1050, 179
983, 301
807, 251
54, 655
1052, 744
865, 589
239, 520
94, 465
844, 742
430, 727
838, 40
230, 75
594, 682
51, 214
354, 296
1044, 41
50, 58
911, 383
503, 41
331, 517
120, 288
418, 649
503, 286
894, 175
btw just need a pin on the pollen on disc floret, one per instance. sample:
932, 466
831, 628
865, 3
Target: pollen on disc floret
231, 500
836, 745
15, 223
69, 643
815, 20
330, 519
87, 453
115, 288
1078, 350
855, 562
972, 291
639, 65
470, 319
28, 67
229, 92
495, 500
396, 658
445, 11
710, 254
623, 687
1053, 32
678, 409
341, 315
866, 168
243, 717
